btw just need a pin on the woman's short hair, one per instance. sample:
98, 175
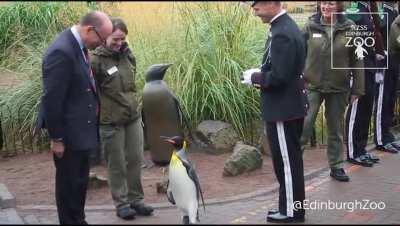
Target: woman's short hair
119, 24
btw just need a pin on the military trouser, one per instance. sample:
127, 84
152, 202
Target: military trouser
287, 159
335, 106
358, 118
385, 99
123, 152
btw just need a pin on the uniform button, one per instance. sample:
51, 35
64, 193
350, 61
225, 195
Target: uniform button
304, 91
306, 105
89, 105
89, 122
88, 90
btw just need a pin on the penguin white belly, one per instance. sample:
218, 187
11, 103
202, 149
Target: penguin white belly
183, 190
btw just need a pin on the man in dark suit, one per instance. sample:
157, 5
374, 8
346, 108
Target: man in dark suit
70, 111
284, 105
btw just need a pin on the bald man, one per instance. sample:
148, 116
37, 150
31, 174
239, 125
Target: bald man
70, 110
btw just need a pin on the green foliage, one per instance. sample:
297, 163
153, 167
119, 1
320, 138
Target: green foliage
210, 47
26, 29
33, 22
220, 43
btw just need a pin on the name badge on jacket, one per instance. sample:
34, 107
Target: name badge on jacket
112, 70
316, 35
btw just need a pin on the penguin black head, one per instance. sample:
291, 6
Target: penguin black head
156, 72
176, 141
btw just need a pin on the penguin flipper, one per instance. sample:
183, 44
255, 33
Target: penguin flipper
170, 196
193, 176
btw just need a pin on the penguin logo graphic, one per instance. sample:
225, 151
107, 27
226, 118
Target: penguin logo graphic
161, 114
360, 50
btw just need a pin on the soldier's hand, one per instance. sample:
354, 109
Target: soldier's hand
246, 76
58, 148
379, 77
353, 98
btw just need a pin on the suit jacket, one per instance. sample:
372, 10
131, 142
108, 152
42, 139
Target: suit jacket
68, 105
282, 86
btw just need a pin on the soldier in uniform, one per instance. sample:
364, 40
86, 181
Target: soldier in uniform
284, 105
394, 52
386, 88
360, 111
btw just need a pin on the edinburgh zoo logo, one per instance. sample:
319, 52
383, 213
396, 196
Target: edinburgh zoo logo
362, 41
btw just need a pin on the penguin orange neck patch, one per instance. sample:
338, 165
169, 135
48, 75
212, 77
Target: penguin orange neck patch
175, 161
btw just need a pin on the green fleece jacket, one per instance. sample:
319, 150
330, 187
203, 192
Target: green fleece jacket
115, 76
319, 72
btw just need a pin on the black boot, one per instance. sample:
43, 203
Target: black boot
339, 174
372, 157
142, 209
387, 148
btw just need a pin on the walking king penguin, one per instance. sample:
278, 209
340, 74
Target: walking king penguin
184, 189
162, 114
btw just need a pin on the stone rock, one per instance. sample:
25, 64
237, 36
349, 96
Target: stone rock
216, 137
10, 216
97, 181
245, 158
162, 185
7, 200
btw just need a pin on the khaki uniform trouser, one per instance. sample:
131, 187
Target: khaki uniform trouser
123, 152
335, 107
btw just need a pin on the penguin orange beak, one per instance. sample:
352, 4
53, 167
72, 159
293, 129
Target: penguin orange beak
168, 139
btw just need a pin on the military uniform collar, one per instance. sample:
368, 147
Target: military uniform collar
277, 15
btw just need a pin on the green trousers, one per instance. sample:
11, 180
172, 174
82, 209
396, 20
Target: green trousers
335, 107
123, 152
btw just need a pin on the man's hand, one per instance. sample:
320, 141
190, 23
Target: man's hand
246, 77
57, 147
353, 98
379, 77
379, 57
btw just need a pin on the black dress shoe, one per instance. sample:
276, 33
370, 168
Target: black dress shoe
362, 161
185, 220
273, 212
396, 145
280, 218
371, 157
387, 148
142, 209
339, 174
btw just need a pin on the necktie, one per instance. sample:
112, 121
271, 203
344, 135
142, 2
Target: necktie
91, 77
87, 59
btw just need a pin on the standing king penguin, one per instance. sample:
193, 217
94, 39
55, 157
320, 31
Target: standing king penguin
183, 183
162, 114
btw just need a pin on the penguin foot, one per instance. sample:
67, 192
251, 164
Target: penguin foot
185, 220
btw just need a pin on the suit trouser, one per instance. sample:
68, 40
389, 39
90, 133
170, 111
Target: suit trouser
287, 158
335, 106
123, 152
72, 176
384, 104
358, 118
